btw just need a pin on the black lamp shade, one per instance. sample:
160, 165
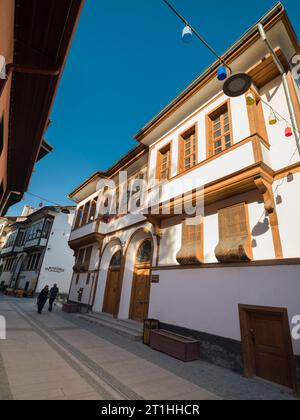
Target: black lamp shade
237, 85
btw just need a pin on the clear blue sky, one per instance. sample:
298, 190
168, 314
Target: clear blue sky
127, 62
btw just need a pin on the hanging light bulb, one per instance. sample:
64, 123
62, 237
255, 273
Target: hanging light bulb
250, 98
222, 73
272, 118
288, 132
187, 35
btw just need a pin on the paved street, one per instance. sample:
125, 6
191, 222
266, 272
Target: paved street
60, 356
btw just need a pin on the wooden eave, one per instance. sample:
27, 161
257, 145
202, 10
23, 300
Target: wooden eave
277, 14
43, 33
83, 241
238, 183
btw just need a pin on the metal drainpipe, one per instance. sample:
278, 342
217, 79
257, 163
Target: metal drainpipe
285, 84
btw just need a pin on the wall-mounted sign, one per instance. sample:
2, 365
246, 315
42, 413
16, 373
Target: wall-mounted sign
155, 278
54, 270
295, 68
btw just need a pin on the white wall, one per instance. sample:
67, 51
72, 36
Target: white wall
58, 256
207, 299
282, 148
289, 215
87, 288
240, 128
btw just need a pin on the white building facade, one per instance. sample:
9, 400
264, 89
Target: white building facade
232, 279
36, 251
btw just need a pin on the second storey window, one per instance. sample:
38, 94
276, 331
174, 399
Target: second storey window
164, 163
187, 150
219, 130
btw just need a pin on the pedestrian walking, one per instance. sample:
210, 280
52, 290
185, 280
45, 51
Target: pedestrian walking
53, 296
42, 299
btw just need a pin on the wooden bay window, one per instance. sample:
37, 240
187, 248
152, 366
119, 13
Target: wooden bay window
192, 249
234, 234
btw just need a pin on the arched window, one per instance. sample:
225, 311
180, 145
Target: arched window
144, 254
116, 259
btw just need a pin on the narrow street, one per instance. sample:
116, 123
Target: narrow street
62, 357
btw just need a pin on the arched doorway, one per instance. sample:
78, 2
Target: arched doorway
140, 294
112, 284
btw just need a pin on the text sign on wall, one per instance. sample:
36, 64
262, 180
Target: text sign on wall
155, 278
55, 270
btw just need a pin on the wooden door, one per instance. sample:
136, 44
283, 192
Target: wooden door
111, 292
267, 345
140, 294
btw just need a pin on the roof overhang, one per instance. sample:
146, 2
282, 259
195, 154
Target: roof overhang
43, 31
166, 119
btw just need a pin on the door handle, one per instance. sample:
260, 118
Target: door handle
252, 333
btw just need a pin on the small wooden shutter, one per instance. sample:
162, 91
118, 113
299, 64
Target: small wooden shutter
234, 236
191, 251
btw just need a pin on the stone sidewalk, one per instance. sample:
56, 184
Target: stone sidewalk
47, 357
60, 356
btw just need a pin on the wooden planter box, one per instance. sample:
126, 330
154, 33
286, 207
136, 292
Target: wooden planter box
70, 308
180, 347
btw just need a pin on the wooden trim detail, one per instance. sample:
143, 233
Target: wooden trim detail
254, 264
294, 97
257, 123
87, 240
267, 192
247, 340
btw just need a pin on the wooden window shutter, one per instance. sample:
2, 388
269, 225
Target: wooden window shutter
234, 235
191, 251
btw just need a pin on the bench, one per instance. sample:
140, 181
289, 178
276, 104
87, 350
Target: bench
182, 348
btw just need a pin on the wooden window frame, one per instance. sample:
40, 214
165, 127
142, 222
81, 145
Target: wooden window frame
93, 209
160, 153
78, 217
85, 214
181, 150
210, 140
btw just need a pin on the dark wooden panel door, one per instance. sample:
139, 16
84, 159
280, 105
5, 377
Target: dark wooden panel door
111, 292
267, 345
270, 352
140, 294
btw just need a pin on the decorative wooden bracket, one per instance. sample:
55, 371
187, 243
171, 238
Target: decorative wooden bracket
267, 192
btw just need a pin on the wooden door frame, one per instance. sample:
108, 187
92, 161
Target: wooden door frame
247, 345
110, 270
139, 267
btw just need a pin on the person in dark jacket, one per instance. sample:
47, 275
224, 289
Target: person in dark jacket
42, 299
53, 296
